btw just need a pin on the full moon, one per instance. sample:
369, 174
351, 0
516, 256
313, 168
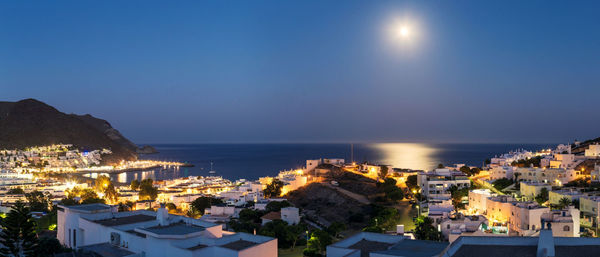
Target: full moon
404, 31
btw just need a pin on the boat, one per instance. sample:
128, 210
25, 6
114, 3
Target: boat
211, 169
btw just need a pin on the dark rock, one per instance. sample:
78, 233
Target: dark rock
147, 149
30, 122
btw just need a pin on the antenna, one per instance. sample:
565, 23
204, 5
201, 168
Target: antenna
352, 153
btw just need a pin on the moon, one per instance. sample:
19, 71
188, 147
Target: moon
403, 31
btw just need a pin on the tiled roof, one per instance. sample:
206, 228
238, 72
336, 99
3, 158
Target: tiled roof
274, 215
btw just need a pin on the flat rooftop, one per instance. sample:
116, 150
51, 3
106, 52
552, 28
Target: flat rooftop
174, 229
367, 246
497, 251
90, 207
117, 221
416, 248
239, 245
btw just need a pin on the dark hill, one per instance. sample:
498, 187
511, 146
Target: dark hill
30, 122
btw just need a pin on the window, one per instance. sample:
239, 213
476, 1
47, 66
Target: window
448, 226
74, 238
566, 228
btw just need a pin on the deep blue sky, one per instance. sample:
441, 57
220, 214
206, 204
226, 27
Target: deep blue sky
311, 71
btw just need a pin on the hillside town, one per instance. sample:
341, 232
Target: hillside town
551, 193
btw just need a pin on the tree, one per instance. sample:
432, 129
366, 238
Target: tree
319, 240
411, 182
457, 195
101, 183
335, 228
105, 186
373, 229
38, 201
201, 203
392, 192
278, 229
475, 171
49, 246
466, 170
502, 183
542, 197
250, 215
273, 189
147, 190
425, 230
277, 205
171, 207
135, 185
15, 191
18, 232
564, 203
383, 172
440, 166
295, 232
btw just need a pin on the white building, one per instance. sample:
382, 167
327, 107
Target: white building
101, 229
499, 172
530, 190
453, 228
564, 223
593, 151
291, 215
437, 183
555, 196
478, 200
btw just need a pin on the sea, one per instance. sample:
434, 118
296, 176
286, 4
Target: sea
251, 161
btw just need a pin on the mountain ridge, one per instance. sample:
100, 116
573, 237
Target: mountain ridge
30, 122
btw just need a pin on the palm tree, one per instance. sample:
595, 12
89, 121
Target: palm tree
564, 203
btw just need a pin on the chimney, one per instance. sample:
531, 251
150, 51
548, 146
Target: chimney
162, 214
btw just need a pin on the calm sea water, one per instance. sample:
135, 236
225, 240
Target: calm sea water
251, 161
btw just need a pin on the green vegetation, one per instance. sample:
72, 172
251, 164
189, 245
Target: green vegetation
87, 196
277, 205
318, 242
502, 183
273, 189
148, 191
392, 192
383, 172
200, 204
457, 196
335, 228
384, 219
18, 232
542, 197
564, 203
18, 236
411, 182
523, 163
425, 230
287, 235
105, 186
135, 185
470, 171
38, 201
16, 191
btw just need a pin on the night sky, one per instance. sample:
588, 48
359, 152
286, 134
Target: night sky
311, 71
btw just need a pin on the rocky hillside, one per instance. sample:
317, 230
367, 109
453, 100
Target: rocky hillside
324, 204
30, 122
